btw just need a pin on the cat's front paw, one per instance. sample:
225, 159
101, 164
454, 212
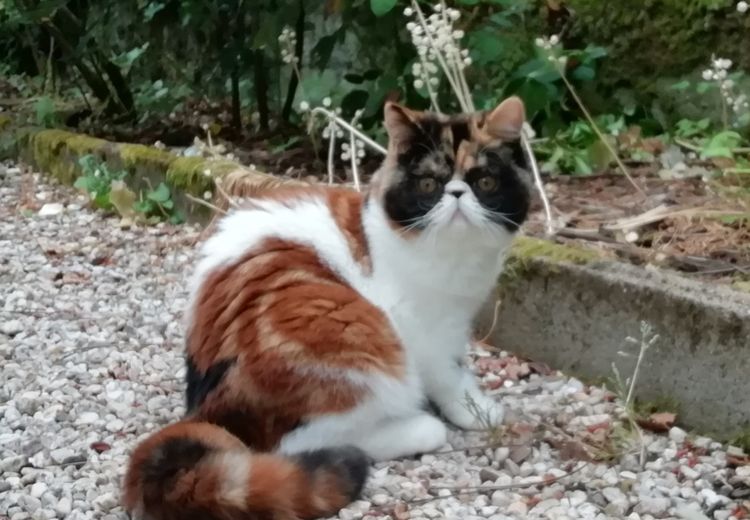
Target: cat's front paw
477, 413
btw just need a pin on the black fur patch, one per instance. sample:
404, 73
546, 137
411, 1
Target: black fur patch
166, 463
509, 202
348, 463
404, 203
200, 384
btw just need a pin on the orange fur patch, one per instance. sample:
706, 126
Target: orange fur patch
294, 328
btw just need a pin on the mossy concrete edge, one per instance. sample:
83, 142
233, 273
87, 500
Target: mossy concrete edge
57, 152
573, 310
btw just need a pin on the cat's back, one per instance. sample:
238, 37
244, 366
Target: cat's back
324, 221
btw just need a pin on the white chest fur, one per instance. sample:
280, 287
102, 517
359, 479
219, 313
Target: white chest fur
431, 286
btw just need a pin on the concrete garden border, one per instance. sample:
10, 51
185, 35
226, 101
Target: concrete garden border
58, 151
573, 310
561, 305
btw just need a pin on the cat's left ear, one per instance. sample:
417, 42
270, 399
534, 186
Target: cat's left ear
400, 122
506, 120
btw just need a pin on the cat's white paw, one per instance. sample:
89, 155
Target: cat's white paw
404, 437
478, 413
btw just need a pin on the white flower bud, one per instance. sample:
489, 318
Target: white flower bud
304, 106
326, 102
418, 83
743, 7
554, 39
539, 42
408, 11
708, 75
207, 195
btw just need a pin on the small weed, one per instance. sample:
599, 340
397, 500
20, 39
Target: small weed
625, 388
157, 205
108, 191
97, 180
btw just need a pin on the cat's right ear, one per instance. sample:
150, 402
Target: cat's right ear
400, 123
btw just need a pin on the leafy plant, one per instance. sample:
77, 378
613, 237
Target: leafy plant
108, 191
44, 112
96, 181
157, 205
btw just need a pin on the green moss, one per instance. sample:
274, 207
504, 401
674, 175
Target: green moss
742, 440
138, 155
5, 122
660, 404
526, 251
81, 145
188, 173
47, 151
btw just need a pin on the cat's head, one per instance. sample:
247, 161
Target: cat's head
454, 172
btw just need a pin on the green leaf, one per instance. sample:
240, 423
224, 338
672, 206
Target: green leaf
160, 194
721, 145
101, 200
582, 166
382, 7
682, 85
144, 206
83, 183
176, 218
151, 9
584, 73
535, 96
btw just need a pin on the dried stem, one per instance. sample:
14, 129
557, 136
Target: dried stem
331, 152
550, 228
206, 203
353, 154
345, 124
597, 131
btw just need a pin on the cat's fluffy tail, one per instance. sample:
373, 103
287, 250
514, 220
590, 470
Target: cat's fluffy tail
199, 470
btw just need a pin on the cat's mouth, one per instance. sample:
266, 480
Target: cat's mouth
458, 216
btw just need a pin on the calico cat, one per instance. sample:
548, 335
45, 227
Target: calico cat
322, 321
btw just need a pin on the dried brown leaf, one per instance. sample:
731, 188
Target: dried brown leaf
658, 422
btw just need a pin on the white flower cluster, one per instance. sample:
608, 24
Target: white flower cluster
346, 152
288, 42
552, 48
719, 72
435, 37
743, 7
548, 43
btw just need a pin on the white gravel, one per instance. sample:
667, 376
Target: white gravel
91, 355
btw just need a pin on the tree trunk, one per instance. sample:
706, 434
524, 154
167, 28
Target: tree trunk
261, 87
299, 50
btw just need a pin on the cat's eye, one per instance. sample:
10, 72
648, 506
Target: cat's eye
427, 185
487, 184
